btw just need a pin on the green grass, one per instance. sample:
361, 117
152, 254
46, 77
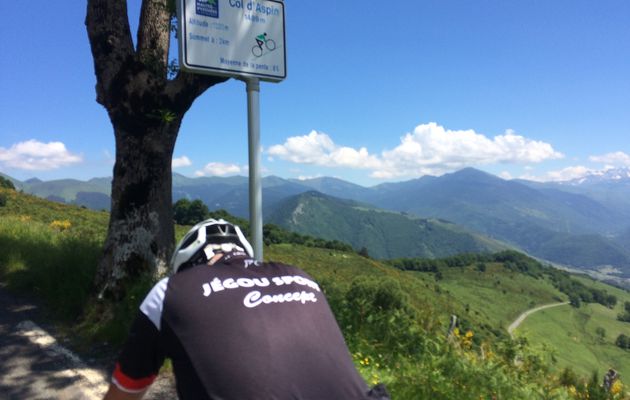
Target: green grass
50, 250
497, 296
572, 333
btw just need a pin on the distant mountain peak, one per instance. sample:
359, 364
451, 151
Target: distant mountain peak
608, 175
470, 174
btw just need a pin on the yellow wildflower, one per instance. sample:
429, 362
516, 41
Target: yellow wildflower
616, 387
61, 225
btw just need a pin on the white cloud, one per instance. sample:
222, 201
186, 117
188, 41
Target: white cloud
432, 149
618, 159
220, 169
308, 177
34, 155
182, 161
319, 149
429, 149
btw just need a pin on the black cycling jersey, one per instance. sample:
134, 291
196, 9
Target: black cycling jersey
240, 330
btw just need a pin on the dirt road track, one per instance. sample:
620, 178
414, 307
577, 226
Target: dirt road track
524, 315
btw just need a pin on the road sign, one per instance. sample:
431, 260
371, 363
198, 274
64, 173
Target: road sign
236, 38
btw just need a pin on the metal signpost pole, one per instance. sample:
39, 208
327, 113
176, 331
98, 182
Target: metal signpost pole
243, 40
255, 187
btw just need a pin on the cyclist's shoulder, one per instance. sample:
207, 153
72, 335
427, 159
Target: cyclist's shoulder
284, 268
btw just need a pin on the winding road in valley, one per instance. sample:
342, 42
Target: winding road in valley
525, 314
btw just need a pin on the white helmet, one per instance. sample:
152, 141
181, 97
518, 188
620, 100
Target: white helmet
199, 243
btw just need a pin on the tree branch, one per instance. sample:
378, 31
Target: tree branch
154, 35
186, 87
110, 40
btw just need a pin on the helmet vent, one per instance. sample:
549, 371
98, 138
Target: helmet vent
190, 239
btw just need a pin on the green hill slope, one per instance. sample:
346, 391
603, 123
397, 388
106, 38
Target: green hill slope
487, 297
385, 234
584, 338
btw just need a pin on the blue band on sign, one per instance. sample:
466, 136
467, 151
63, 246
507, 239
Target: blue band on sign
207, 8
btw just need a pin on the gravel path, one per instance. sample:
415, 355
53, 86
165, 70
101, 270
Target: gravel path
524, 315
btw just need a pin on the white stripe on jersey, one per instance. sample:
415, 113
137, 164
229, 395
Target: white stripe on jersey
154, 303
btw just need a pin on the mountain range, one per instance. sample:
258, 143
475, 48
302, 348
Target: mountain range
582, 223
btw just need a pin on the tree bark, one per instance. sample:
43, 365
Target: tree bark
146, 110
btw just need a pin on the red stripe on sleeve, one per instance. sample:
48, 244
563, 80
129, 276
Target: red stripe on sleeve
131, 383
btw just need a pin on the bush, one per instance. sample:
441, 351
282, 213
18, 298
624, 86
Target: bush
575, 300
3, 199
378, 313
601, 333
186, 212
623, 341
273, 234
568, 377
5, 183
625, 316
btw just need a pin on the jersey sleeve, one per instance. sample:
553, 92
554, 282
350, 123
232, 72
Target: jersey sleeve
143, 354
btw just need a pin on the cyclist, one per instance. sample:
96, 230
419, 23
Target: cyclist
261, 39
610, 378
236, 328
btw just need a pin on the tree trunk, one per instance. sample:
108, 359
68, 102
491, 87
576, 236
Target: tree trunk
140, 236
146, 110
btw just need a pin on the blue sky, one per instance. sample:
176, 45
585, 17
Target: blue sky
376, 91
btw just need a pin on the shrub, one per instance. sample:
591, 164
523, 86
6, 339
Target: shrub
5, 183
601, 333
575, 300
623, 341
625, 316
364, 252
186, 212
568, 377
377, 312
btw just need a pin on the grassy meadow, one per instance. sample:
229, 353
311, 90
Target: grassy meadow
583, 338
395, 321
497, 296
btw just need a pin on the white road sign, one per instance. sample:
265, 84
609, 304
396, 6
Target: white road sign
241, 38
